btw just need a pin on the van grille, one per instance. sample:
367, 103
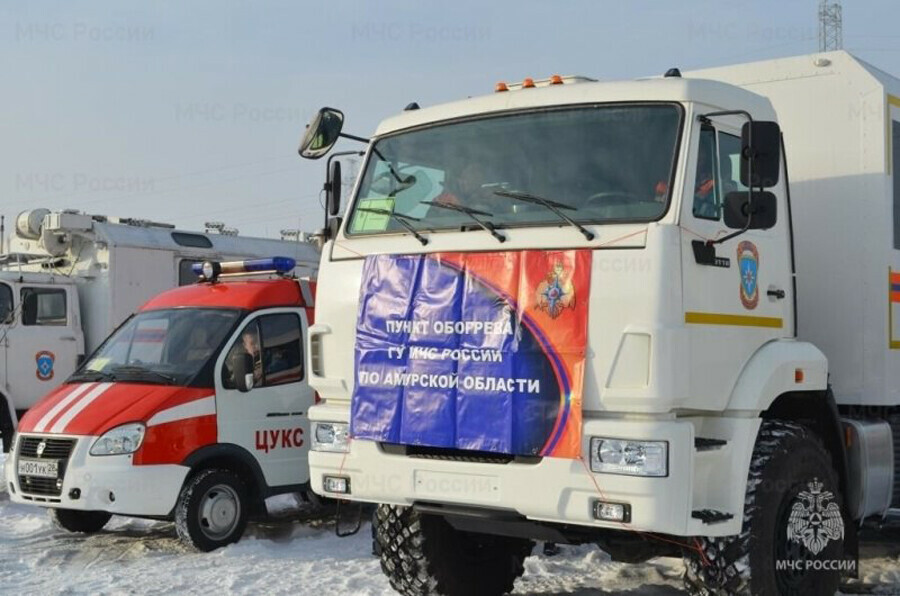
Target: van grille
53, 449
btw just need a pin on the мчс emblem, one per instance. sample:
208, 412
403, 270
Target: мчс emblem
815, 518
748, 266
556, 292
44, 362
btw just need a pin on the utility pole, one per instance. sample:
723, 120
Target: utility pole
831, 36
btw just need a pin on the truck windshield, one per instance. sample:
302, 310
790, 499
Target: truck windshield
169, 347
599, 163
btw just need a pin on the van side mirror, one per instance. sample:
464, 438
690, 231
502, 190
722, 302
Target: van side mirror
333, 190
760, 140
763, 214
242, 366
322, 133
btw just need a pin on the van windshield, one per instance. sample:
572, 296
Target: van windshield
167, 347
598, 163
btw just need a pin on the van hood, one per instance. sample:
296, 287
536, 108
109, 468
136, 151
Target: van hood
95, 408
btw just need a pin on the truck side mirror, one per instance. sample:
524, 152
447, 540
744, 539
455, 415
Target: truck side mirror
333, 190
764, 210
322, 133
243, 372
760, 140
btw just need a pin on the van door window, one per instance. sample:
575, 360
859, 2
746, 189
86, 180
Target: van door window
44, 306
6, 303
707, 199
275, 344
282, 349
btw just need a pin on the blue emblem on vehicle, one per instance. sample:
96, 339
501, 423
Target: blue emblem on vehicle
44, 362
748, 266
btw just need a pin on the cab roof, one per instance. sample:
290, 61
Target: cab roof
671, 89
246, 295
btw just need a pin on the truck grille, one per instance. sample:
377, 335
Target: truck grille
53, 449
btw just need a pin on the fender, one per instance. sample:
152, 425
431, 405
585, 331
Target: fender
771, 372
247, 465
228, 451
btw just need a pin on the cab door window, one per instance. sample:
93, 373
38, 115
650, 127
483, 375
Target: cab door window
730, 163
274, 343
6, 303
44, 306
707, 200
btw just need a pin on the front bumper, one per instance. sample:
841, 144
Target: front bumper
564, 491
108, 483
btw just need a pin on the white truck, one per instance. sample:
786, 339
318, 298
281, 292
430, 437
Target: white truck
572, 321
67, 279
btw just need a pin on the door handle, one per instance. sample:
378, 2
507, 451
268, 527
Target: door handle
776, 293
277, 414
67, 338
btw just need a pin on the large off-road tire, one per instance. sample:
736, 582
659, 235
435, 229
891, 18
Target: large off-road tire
423, 555
792, 484
212, 510
79, 522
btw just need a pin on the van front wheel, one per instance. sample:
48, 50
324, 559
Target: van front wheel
79, 522
212, 510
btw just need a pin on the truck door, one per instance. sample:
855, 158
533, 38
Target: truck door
44, 343
744, 299
271, 420
6, 320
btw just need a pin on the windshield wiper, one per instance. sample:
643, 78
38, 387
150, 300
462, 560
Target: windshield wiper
93, 375
554, 206
140, 370
403, 220
472, 213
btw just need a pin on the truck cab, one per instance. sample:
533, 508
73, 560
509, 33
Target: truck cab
194, 409
41, 338
573, 312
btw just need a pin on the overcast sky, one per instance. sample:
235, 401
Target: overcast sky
191, 111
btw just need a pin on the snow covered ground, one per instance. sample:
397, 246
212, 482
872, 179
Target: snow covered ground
142, 557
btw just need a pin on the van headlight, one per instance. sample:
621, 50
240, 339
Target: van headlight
120, 440
331, 436
632, 458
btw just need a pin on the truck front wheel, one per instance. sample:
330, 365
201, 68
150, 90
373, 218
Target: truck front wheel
792, 539
79, 522
212, 510
423, 555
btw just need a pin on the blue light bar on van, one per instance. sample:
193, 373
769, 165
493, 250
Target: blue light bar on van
210, 270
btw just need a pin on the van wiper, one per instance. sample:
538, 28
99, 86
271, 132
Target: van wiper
93, 375
472, 213
554, 206
403, 220
140, 370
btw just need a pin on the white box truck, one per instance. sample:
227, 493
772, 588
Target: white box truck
603, 312
67, 279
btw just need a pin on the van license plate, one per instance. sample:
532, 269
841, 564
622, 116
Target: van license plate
39, 468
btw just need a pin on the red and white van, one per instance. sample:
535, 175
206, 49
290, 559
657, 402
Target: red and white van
194, 409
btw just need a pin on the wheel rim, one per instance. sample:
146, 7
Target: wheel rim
220, 510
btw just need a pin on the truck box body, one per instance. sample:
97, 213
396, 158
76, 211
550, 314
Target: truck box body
839, 116
109, 267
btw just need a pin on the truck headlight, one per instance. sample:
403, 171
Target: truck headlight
120, 440
632, 458
331, 436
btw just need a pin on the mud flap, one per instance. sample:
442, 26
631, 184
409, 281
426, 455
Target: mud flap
347, 518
